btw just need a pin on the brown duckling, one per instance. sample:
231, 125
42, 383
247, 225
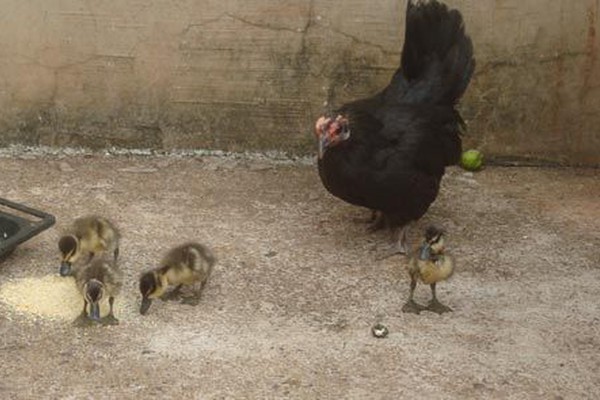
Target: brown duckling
98, 280
430, 266
87, 237
187, 264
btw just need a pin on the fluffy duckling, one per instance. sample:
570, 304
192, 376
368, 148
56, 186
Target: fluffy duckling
87, 237
99, 279
187, 264
430, 266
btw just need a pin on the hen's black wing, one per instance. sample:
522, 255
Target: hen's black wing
394, 159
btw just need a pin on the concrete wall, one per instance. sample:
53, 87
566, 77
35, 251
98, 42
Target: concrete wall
253, 74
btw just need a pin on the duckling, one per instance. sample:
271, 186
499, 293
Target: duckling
187, 264
87, 236
99, 279
430, 267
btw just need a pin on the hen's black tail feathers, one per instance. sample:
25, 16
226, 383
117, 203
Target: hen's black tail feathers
437, 58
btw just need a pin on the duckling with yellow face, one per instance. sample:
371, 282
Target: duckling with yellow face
88, 236
430, 266
188, 264
99, 280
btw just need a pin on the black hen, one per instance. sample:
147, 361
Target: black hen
389, 152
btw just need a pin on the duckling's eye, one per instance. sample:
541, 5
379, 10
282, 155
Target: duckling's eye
147, 285
94, 293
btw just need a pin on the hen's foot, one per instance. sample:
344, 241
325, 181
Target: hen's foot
371, 219
377, 222
392, 251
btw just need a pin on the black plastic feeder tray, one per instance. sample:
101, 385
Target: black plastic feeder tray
15, 230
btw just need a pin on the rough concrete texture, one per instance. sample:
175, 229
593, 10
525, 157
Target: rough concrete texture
239, 74
288, 311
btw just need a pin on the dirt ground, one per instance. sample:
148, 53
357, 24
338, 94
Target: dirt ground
298, 285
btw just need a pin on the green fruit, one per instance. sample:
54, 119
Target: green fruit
471, 160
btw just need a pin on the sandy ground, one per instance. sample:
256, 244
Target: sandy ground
288, 311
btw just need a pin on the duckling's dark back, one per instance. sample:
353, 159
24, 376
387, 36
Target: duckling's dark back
103, 269
92, 222
191, 255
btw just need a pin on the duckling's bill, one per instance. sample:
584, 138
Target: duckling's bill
65, 268
146, 303
95, 311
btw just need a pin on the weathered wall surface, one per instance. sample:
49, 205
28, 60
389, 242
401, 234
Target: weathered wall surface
253, 74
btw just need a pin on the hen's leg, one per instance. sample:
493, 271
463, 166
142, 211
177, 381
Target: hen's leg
434, 305
373, 217
401, 246
377, 221
403, 240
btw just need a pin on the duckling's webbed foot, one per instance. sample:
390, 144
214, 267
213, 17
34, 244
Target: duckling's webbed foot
412, 307
83, 320
437, 307
191, 301
110, 319
434, 305
196, 295
174, 294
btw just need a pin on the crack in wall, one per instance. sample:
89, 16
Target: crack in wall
367, 43
245, 21
488, 66
310, 22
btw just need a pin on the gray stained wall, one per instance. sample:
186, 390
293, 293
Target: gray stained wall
254, 74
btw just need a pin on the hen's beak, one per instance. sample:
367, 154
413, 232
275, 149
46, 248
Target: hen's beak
65, 268
145, 305
320, 125
321, 134
323, 143
95, 311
